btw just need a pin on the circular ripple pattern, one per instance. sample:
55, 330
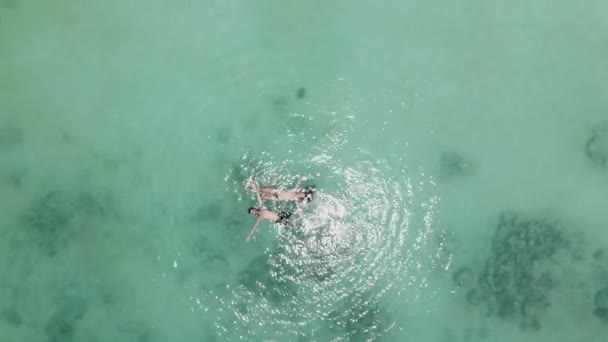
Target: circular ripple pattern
367, 232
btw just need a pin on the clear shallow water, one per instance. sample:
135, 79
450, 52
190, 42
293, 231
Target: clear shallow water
459, 152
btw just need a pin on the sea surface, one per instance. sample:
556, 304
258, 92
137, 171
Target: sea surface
459, 151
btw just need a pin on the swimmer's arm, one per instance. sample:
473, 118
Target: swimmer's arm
299, 209
255, 226
251, 186
260, 202
299, 182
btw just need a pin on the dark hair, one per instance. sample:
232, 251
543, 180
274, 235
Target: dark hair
250, 209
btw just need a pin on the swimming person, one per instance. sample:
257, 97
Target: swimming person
280, 217
295, 194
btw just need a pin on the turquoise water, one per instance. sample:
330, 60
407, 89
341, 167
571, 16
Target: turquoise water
460, 151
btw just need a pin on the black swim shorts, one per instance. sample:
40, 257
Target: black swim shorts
283, 217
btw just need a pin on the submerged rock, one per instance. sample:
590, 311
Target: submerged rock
475, 297
12, 317
208, 212
598, 254
532, 324
61, 326
601, 304
51, 216
51, 213
464, 277
224, 134
301, 93
596, 147
9, 4
602, 313
10, 136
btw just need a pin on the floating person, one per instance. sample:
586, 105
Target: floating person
273, 194
281, 218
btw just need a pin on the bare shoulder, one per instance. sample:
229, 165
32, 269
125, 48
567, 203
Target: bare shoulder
266, 213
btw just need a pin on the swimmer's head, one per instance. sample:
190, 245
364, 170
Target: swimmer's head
253, 211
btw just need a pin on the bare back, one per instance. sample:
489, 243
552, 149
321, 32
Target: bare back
269, 215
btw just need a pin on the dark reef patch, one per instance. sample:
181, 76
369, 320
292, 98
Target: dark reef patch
58, 214
452, 164
62, 325
16, 180
266, 278
600, 304
301, 93
517, 278
464, 277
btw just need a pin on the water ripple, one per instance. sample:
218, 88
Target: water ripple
368, 233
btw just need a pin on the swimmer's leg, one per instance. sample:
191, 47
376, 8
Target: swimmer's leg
270, 196
268, 193
267, 190
252, 186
